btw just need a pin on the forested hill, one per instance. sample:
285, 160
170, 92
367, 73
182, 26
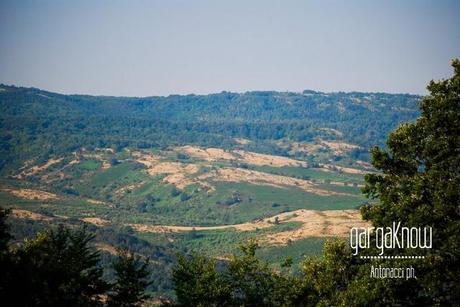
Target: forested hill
36, 123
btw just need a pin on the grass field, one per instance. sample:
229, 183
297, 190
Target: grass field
125, 193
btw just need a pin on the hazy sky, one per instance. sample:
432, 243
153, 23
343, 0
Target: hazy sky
143, 48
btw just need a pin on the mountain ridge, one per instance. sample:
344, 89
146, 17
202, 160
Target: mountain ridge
304, 92
45, 124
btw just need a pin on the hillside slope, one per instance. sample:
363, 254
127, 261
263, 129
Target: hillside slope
192, 173
36, 123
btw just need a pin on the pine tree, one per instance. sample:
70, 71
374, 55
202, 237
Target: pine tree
56, 268
198, 283
131, 275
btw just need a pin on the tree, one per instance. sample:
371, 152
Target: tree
325, 278
4, 234
5, 255
131, 274
419, 185
244, 281
57, 268
250, 280
198, 283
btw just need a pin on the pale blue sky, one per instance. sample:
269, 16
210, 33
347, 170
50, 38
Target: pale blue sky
143, 48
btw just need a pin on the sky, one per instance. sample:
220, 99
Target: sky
147, 48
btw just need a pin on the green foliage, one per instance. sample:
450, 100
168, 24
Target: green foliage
60, 268
89, 165
4, 233
57, 268
38, 123
251, 281
5, 256
198, 283
420, 186
297, 250
245, 281
329, 276
131, 280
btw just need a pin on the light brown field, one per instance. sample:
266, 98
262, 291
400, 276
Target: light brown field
182, 174
339, 148
207, 154
37, 168
146, 158
262, 159
172, 168
177, 172
335, 168
260, 178
59, 174
31, 194
329, 223
95, 221
29, 215
105, 165
95, 201
178, 179
214, 154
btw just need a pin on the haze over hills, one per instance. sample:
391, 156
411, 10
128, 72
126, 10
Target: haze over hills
193, 173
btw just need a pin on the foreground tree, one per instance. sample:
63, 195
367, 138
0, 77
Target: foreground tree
66, 268
324, 279
198, 283
244, 281
131, 280
5, 255
57, 268
419, 185
4, 233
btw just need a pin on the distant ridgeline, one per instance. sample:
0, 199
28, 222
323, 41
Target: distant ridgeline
36, 123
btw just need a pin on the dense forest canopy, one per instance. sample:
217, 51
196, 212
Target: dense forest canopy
39, 123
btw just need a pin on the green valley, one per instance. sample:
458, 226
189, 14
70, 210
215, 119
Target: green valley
193, 174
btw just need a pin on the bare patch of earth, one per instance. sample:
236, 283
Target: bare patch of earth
329, 223
31, 194
95, 221
29, 215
